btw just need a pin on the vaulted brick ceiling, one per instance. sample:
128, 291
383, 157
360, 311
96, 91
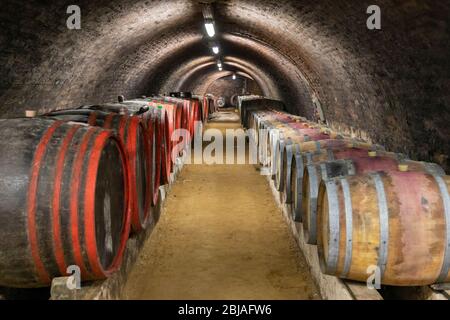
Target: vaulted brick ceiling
391, 86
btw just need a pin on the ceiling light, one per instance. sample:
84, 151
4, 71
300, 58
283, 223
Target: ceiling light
215, 49
220, 69
219, 64
234, 76
209, 26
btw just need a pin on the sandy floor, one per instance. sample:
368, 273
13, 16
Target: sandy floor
221, 237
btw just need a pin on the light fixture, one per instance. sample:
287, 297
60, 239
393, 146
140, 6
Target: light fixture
219, 64
215, 49
209, 26
234, 76
220, 69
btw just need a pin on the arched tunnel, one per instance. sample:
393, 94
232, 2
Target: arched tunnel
389, 86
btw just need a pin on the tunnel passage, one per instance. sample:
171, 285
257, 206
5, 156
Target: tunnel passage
390, 85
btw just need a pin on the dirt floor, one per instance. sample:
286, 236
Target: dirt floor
221, 237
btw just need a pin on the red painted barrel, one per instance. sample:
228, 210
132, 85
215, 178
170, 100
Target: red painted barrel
153, 136
63, 201
205, 109
132, 132
166, 151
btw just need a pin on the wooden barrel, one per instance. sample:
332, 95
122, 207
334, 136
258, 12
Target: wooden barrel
166, 151
247, 106
170, 127
151, 118
132, 132
315, 173
132, 107
287, 138
195, 118
63, 201
315, 146
220, 102
263, 134
184, 118
398, 222
295, 162
255, 119
205, 109
154, 128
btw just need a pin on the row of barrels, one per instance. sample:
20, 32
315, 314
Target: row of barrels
365, 208
75, 183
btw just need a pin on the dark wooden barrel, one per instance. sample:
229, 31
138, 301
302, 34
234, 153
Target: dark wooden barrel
63, 201
133, 107
396, 221
132, 132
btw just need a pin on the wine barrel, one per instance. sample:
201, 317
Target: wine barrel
205, 109
314, 146
315, 173
132, 133
247, 106
270, 133
148, 111
197, 119
295, 162
263, 127
132, 107
166, 151
396, 221
286, 138
63, 201
220, 102
154, 130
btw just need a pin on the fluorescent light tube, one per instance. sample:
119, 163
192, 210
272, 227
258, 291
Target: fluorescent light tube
209, 26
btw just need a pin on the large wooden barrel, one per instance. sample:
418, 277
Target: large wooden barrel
247, 106
166, 151
286, 138
295, 161
264, 134
315, 173
317, 146
63, 201
397, 221
131, 107
271, 133
132, 132
205, 109
196, 118
154, 129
